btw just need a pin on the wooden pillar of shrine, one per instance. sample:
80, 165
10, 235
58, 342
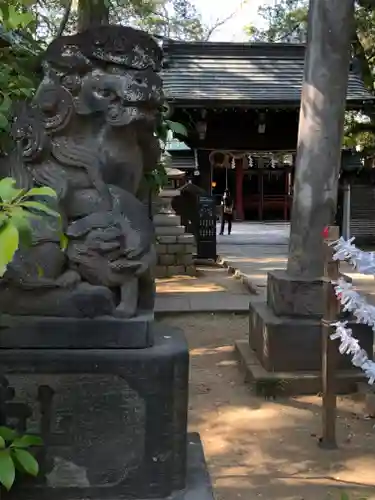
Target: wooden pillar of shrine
239, 190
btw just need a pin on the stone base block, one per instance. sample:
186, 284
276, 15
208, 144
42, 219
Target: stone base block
294, 344
167, 220
291, 296
275, 384
169, 230
167, 259
169, 271
75, 333
186, 239
198, 482
113, 420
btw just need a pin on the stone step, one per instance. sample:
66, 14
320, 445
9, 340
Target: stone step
169, 193
169, 230
186, 239
275, 384
162, 271
167, 220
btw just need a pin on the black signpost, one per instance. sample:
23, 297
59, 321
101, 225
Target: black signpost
206, 234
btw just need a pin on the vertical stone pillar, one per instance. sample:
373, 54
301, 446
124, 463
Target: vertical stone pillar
320, 132
239, 190
285, 330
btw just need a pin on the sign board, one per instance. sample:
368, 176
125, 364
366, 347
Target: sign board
206, 234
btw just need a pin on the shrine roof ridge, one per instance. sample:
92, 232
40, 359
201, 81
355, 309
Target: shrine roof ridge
232, 49
243, 74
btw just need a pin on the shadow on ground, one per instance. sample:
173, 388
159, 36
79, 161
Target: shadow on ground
262, 449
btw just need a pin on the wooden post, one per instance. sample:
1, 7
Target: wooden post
239, 191
329, 348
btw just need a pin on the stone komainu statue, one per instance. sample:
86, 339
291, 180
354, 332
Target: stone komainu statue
89, 135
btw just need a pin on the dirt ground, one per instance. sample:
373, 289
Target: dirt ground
268, 449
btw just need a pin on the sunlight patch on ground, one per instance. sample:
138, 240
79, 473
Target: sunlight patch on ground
203, 351
362, 277
184, 286
259, 260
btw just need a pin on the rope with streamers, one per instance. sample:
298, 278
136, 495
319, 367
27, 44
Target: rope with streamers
363, 262
353, 302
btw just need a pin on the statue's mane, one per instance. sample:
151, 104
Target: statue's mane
118, 45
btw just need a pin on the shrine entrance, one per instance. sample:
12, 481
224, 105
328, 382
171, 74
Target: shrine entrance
260, 182
242, 133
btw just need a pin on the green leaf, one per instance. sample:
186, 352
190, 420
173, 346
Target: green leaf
39, 271
7, 469
27, 461
41, 191
26, 441
4, 217
39, 207
3, 122
2, 443
63, 241
7, 434
20, 221
9, 241
6, 103
177, 128
26, 92
28, 3
8, 191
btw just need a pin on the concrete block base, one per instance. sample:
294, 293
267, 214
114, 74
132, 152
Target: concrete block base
285, 383
294, 344
169, 271
293, 296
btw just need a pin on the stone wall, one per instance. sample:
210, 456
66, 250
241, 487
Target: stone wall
174, 247
175, 255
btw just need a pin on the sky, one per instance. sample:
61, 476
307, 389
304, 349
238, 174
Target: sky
246, 13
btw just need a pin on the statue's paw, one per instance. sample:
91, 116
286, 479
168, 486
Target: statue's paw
69, 279
124, 311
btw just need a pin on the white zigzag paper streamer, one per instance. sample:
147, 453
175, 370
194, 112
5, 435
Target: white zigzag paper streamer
363, 262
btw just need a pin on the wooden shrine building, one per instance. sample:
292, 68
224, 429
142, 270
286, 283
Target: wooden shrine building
240, 104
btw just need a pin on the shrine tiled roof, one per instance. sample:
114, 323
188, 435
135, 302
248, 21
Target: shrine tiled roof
242, 74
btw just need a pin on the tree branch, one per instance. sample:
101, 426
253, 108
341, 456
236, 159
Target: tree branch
65, 18
220, 22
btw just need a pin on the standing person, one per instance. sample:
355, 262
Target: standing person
226, 211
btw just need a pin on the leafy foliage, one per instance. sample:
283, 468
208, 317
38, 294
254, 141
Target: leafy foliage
157, 178
177, 19
15, 456
286, 21
17, 207
19, 57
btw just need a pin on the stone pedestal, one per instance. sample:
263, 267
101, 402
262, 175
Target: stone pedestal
294, 296
174, 247
285, 336
113, 419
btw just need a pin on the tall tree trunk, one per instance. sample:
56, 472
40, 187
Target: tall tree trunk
92, 13
320, 132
